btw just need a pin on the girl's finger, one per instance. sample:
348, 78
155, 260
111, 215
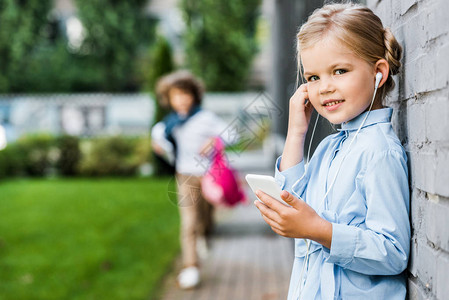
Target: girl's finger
268, 212
271, 223
300, 99
302, 89
269, 201
309, 108
278, 231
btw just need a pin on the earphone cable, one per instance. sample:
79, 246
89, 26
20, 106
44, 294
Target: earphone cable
349, 147
298, 289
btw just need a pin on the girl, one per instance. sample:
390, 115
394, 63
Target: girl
184, 139
349, 210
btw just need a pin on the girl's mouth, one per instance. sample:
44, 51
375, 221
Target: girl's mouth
333, 105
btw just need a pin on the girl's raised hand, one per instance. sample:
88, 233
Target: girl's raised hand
298, 221
299, 112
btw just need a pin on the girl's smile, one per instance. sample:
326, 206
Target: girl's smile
332, 104
340, 84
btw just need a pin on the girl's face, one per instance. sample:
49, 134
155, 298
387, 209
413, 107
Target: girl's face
180, 101
340, 84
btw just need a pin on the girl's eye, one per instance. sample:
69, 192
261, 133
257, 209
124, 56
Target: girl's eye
340, 71
312, 78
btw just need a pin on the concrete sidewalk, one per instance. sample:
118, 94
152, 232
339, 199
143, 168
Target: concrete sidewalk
246, 259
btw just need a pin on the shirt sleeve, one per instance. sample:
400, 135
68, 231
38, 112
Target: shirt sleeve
158, 137
382, 247
287, 178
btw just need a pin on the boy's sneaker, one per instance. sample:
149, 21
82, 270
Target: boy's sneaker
189, 278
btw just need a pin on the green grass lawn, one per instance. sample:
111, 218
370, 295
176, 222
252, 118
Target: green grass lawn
85, 238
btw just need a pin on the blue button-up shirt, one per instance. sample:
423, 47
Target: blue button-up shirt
368, 206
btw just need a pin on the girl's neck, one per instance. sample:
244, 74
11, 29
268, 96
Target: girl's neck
375, 106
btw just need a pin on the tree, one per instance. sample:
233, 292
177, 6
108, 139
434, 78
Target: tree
21, 24
34, 56
161, 63
219, 41
114, 31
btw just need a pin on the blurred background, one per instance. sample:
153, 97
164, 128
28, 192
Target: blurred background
82, 73
84, 206
84, 210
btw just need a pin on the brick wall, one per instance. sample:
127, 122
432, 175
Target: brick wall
421, 119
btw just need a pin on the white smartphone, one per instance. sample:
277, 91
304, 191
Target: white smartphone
266, 184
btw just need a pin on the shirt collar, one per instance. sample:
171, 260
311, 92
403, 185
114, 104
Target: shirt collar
381, 115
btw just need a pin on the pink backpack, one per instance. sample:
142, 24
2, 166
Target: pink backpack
220, 185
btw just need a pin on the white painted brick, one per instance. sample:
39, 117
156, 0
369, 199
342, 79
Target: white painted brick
409, 79
436, 23
417, 210
426, 264
437, 120
442, 55
399, 123
413, 259
442, 277
415, 292
416, 122
414, 35
423, 171
425, 69
437, 230
384, 11
442, 175
430, 76
398, 31
396, 9
405, 5
423, 74
422, 27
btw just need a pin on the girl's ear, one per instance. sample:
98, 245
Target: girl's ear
383, 67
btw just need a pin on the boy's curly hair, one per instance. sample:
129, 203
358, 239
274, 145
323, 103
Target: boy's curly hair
183, 80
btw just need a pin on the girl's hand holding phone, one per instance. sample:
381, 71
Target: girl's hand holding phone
300, 111
297, 221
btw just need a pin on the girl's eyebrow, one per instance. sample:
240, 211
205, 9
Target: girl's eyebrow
333, 66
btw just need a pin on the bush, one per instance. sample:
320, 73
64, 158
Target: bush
113, 156
69, 155
37, 153
43, 155
10, 162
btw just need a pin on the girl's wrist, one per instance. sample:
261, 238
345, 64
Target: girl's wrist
296, 136
321, 232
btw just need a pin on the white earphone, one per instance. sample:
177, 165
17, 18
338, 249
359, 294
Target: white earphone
378, 79
306, 259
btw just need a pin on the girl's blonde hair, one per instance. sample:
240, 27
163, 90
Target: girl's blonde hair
359, 29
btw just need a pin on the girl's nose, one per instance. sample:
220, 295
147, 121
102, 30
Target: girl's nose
326, 86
